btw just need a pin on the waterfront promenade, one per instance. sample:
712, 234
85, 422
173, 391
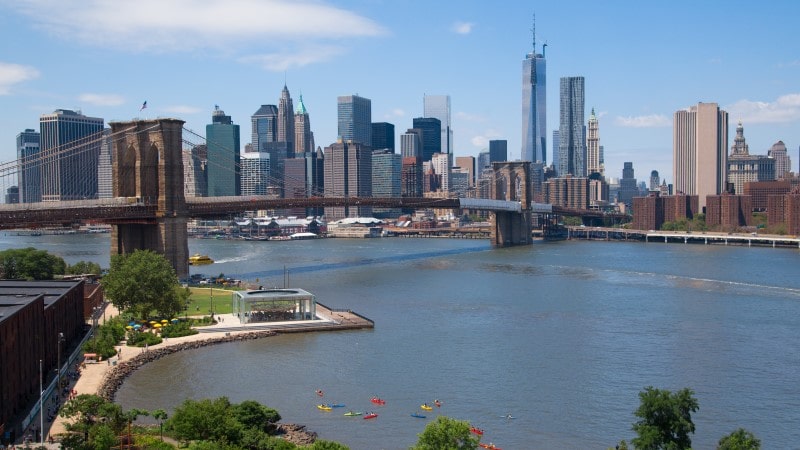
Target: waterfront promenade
93, 377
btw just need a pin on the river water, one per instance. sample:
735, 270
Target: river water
561, 335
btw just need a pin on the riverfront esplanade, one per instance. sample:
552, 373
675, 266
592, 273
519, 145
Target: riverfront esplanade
274, 305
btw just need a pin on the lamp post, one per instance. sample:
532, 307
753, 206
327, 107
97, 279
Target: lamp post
58, 368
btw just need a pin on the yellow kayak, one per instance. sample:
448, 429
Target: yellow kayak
426, 407
324, 407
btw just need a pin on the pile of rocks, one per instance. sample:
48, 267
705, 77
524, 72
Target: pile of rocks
296, 434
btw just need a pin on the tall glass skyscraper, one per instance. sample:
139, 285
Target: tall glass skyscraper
431, 136
222, 140
438, 107
571, 130
264, 127
70, 149
355, 119
30, 167
534, 106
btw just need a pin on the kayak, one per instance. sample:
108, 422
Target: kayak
377, 401
426, 407
476, 430
324, 407
437, 403
418, 415
320, 393
337, 405
353, 413
490, 446
370, 416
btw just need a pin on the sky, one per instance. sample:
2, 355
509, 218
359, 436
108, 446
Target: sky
642, 61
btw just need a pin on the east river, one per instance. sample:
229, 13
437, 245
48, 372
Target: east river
561, 335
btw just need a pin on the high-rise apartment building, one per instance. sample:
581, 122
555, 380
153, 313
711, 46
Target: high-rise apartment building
700, 150
441, 167
411, 177
498, 150
571, 130
556, 143
382, 136
593, 164
303, 136
286, 119
222, 141
387, 169
355, 119
431, 136
534, 106
744, 167
438, 107
348, 173
70, 153
783, 163
264, 127
255, 173
30, 166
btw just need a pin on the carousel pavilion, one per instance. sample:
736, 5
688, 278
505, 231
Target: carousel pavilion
274, 305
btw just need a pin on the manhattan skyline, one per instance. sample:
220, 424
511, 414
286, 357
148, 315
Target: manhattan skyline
640, 66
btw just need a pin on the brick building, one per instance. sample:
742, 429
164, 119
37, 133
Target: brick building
729, 211
651, 212
785, 209
567, 191
759, 191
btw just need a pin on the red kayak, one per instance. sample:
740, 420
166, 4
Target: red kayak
490, 446
476, 430
377, 401
370, 416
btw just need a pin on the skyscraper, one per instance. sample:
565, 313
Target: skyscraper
286, 119
222, 170
556, 143
654, 180
264, 127
255, 173
348, 173
438, 107
627, 185
572, 143
534, 105
744, 167
387, 169
355, 119
783, 163
382, 136
431, 136
411, 144
467, 163
70, 152
593, 164
303, 136
30, 166
699, 151
498, 150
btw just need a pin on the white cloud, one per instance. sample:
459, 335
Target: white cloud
649, 121
102, 99
11, 74
395, 114
181, 25
470, 117
482, 140
785, 108
183, 109
462, 27
285, 60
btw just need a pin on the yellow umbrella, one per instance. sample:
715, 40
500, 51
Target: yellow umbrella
164, 321
158, 325
129, 327
153, 322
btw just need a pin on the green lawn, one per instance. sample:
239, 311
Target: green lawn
201, 299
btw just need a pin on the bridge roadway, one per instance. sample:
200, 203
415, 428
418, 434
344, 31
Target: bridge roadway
133, 210
698, 237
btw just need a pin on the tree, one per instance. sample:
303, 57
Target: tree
205, 420
322, 444
252, 414
143, 282
160, 415
740, 439
83, 267
445, 433
665, 419
30, 264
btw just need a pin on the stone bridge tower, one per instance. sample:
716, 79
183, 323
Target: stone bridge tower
512, 183
147, 167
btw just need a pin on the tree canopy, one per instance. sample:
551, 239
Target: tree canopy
444, 434
740, 439
665, 419
30, 264
143, 282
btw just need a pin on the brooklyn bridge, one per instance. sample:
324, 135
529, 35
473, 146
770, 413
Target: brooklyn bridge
149, 209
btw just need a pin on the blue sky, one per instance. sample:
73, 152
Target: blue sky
642, 61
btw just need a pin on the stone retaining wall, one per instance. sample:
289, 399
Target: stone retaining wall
116, 376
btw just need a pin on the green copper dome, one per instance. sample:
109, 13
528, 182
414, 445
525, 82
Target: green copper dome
301, 108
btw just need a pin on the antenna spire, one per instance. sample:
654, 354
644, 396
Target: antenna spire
533, 33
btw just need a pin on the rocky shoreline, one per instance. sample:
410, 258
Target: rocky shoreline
296, 434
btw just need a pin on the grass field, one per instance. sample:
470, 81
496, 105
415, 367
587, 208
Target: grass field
201, 299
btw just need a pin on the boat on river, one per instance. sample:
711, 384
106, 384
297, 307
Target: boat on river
324, 407
418, 415
353, 413
426, 407
371, 415
378, 401
198, 260
476, 430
